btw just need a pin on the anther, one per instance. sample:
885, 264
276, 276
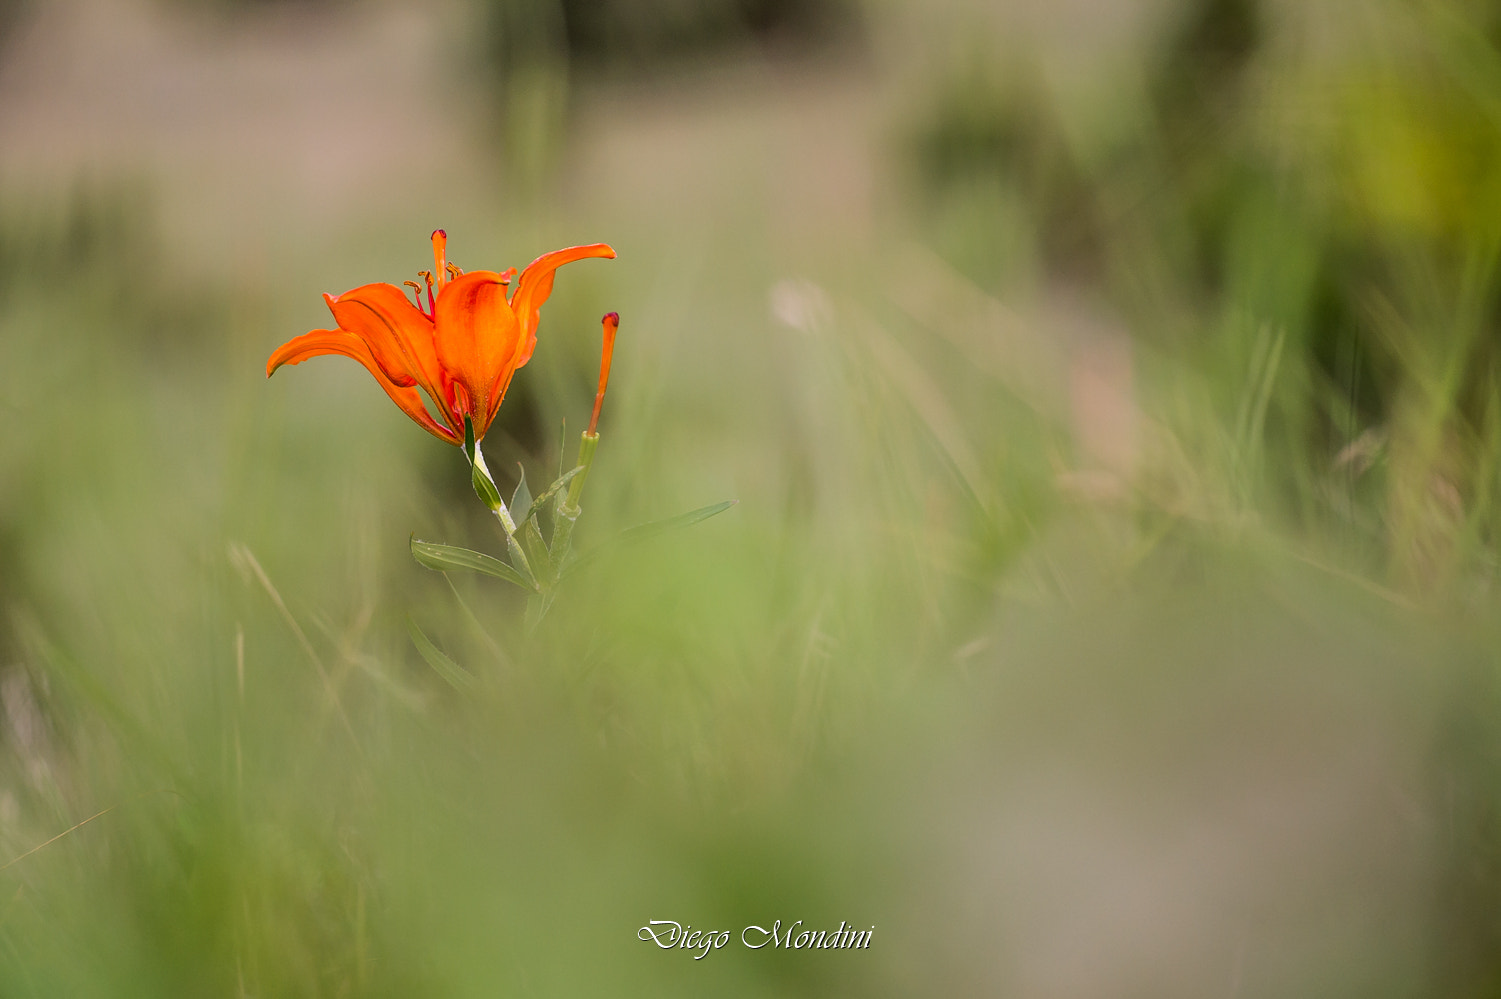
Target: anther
428, 277
416, 292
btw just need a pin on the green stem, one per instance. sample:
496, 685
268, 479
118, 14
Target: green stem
587, 444
568, 505
518, 557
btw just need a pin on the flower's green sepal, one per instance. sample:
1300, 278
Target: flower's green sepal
479, 475
485, 489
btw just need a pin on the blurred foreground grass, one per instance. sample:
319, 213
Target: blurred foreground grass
1136, 636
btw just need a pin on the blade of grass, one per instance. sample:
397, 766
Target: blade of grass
457, 676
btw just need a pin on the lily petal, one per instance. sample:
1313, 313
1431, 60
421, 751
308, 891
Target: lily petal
477, 339
403, 393
399, 336
535, 284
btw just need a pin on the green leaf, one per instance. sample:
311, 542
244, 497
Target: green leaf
457, 676
479, 476
536, 549
536, 609
446, 558
484, 488
521, 499
651, 530
642, 532
541, 501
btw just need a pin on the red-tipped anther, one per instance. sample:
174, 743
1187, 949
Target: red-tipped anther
611, 323
440, 260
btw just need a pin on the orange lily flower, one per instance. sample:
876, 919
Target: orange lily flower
461, 350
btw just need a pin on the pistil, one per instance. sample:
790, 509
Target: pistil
440, 260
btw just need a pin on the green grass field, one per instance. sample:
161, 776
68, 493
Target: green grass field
1109, 607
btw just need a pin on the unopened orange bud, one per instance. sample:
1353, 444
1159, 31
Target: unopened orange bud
440, 257
611, 323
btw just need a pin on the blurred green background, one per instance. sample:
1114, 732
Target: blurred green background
1110, 390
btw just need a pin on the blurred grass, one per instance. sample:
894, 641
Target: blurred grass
1108, 607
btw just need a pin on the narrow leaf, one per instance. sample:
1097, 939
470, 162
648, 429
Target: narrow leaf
541, 501
457, 676
536, 609
536, 549
446, 558
521, 499
642, 532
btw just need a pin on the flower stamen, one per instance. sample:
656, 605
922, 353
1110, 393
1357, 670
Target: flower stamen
428, 277
416, 294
